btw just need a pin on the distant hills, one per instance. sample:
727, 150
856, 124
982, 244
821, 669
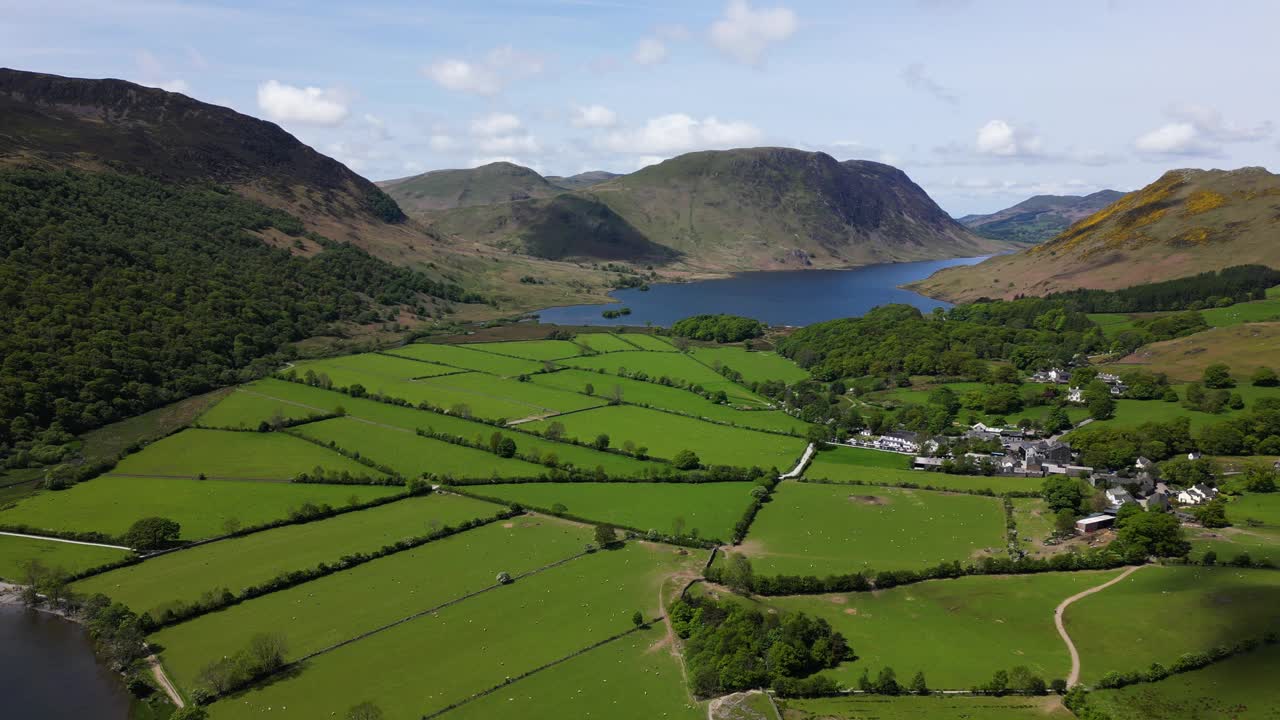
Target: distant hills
1184, 223
756, 208
1039, 218
497, 182
581, 180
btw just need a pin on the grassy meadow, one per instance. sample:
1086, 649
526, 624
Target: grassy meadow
755, 366
1239, 688
877, 707
222, 454
15, 552
468, 358
539, 350
676, 366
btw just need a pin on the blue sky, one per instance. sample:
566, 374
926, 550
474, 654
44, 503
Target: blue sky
982, 103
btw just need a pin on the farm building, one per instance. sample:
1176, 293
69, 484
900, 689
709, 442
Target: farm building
1094, 523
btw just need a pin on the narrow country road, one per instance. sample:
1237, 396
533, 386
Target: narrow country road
157, 671
1074, 678
64, 540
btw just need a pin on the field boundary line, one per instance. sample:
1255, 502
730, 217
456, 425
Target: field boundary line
1059, 612
458, 368
540, 668
64, 540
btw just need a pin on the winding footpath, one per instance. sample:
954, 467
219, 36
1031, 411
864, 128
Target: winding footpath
1074, 678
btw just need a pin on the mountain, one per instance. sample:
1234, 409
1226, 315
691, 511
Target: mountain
1186, 222
581, 180
497, 182
756, 208
1039, 218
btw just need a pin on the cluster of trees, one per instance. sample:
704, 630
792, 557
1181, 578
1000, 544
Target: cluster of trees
729, 648
886, 683
119, 294
611, 314
264, 655
1206, 290
1155, 329
896, 340
1119, 447
1253, 432
718, 328
152, 533
1016, 681
1141, 534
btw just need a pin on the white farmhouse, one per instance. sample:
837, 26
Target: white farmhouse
1197, 494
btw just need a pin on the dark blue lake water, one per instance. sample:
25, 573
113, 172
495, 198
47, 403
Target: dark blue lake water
788, 297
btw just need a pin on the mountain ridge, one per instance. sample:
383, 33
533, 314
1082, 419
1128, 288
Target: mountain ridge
1039, 217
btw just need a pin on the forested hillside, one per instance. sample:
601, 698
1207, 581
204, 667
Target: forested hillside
119, 294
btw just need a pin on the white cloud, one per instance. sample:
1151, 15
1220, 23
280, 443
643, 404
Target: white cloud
1197, 130
649, 51
1211, 123
377, 127
155, 74
304, 105
593, 116
508, 144
744, 33
917, 78
1001, 139
1172, 139
488, 76
677, 133
442, 143
494, 124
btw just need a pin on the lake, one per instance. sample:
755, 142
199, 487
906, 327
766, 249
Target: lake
48, 671
784, 297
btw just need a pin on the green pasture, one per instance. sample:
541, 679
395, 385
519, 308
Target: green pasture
1134, 623
676, 366
494, 398
652, 343
1041, 412
467, 358
376, 372
412, 419
411, 455
957, 631
639, 392
835, 464
1255, 530
628, 679
847, 460
906, 707
530, 349
16, 551
245, 409
1240, 688
1113, 324
222, 454
111, 503
666, 434
755, 366
1255, 311
604, 342
1034, 521
317, 614
711, 508
237, 563
920, 395
431, 662
809, 529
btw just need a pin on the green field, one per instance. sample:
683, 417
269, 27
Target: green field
245, 409
755, 366
376, 372
473, 645
221, 454
638, 392
495, 398
847, 460
465, 358
877, 707
628, 679
676, 366
15, 551
920, 395
831, 529
318, 614
652, 343
604, 342
237, 563
1130, 625
666, 434
712, 508
1034, 521
110, 504
1255, 530
837, 464
412, 419
1247, 312
530, 349
1240, 688
989, 623
1113, 324
411, 455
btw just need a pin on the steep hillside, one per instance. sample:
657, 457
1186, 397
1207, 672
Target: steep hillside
756, 208
497, 182
582, 180
1187, 222
1039, 218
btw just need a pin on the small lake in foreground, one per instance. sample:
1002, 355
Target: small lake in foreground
48, 671
783, 297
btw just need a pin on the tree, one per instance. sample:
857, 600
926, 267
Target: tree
738, 574
887, 682
507, 448
1022, 680
918, 684
1062, 493
504, 578
605, 535
1265, 377
554, 431
364, 711
151, 533
864, 682
1147, 534
1097, 397
1218, 375
1064, 522
601, 442
1259, 479
1213, 514
818, 435
589, 389
1057, 420
190, 712
637, 619
686, 460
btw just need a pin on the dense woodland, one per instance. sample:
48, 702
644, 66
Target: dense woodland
119, 294
1197, 292
718, 328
